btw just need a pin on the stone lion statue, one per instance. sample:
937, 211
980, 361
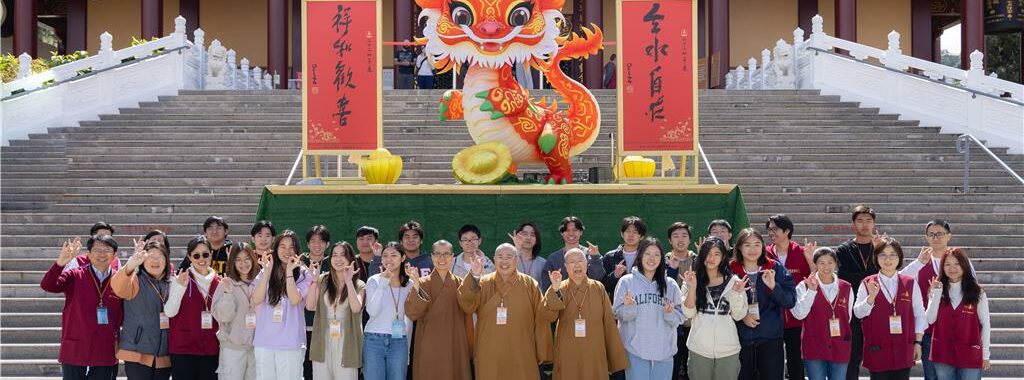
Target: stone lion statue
783, 65
217, 65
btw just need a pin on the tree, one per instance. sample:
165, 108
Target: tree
1003, 56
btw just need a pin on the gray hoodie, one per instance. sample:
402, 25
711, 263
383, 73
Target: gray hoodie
647, 330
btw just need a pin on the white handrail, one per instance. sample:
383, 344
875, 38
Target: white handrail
707, 163
295, 166
963, 146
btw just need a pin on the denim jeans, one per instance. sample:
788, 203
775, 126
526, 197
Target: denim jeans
384, 357
948, 372
641, 369
927, 365
822, 370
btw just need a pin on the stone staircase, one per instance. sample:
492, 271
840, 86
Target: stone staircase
169, 164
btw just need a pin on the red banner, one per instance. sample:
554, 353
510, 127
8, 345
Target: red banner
341, 100
657, 77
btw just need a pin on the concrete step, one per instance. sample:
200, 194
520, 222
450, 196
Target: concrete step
123, 218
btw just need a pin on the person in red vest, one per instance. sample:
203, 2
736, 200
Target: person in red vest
192, 339
92, 312
825, 305
958, 313
926, 268
891, 310
798, 263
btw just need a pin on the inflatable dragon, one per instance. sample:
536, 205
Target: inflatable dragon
491, 36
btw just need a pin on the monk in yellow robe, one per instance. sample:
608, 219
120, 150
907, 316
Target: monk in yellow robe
587, 342
513, 334
441, 343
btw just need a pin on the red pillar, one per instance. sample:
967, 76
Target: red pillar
593, 13
846, 19
921, 29
937, 46
702, 29
76, 26
152, 19
718, 12
805, 10
189, 9
296, 38
972, 30
25, 27
277, 39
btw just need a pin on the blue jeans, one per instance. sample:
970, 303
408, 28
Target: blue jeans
948, 372
641, 369
928, 366
821, 370
384, 357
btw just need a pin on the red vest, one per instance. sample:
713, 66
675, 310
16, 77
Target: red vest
956, 339
187, 337
884, 351
798, 268
816, 340
84, 342
924, 276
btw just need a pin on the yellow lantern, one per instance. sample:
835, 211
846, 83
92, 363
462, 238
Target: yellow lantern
381, 167
638, 167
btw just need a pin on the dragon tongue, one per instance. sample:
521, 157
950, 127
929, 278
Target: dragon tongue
490, 47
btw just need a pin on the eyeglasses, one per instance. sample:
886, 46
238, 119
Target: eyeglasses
106, 251
204, 255
442, 254
526, 234
935, 235
473, 240
888, 257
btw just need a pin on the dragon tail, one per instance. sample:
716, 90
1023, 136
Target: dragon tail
583, 113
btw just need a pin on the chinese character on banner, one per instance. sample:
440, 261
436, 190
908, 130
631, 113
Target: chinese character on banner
657, 92
341, 56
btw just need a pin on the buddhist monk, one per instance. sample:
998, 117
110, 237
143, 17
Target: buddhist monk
441, 347
513, 332
587, 342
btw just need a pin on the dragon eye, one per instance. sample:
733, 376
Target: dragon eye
461, 14
520, 15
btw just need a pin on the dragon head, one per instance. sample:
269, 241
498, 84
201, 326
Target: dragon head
491, 33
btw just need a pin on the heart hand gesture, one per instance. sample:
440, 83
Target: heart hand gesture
740, 286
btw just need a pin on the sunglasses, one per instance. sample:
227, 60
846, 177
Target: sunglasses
204, 255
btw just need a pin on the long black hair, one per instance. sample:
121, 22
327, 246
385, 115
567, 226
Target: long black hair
968, 283
659, 272
700, 269
403, 278
536, 233
333, 283
277, 285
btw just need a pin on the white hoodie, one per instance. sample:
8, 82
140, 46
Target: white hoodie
712, 335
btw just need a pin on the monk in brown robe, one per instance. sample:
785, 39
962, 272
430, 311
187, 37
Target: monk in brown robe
513, 328
587, 342
441, 345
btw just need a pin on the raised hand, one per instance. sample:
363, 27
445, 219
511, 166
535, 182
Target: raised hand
592, 249
740, 286
314, 268
476, 266
620, 269
137, 258
751, 321
556, 278
627, 299
925, 256
809, 248
293, 263
876, 239
412, 272
181, 277
669, 306
769, 278
935, 283
873, 289
349, 272
385, 271
140, 245
812, 282
227, 284
377, 249
690, 277
69, 250
267, 262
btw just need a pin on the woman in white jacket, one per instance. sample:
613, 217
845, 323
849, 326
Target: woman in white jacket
716, 302
235, 316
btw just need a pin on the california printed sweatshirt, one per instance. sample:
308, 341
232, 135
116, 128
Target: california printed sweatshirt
646, 329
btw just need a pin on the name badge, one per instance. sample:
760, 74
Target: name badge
833, 327
754, 311
502, 315
165, 323
895, 325
250, 321
397, 329
278, 314
580, 328
101, 315
206, 320
335, 329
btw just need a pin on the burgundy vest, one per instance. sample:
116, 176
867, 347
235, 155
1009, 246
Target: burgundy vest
884, 351
924, 276
816, 340
187, 337
956, 339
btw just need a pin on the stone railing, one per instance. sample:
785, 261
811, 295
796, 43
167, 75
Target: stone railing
959, 101
112, 79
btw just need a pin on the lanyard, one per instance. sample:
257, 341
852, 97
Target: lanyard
159, 293
831, 305
508, 288
579, 305
99, 292
395, 299
206, 295
885, 292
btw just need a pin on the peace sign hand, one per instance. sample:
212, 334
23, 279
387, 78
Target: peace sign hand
181, 277
227, 284
476, 266
690, 277
877, 240
627, 299
935, 283
769, 278
812, 282
740, 286
556, 279
68, 251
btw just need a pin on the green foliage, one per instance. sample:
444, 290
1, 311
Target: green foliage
140, 41
1003, 56
9, 67
57, 59
951, 60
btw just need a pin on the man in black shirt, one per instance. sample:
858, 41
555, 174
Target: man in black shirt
215, 229
854, 266
405, 63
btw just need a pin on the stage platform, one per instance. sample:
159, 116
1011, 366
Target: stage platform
497, 210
